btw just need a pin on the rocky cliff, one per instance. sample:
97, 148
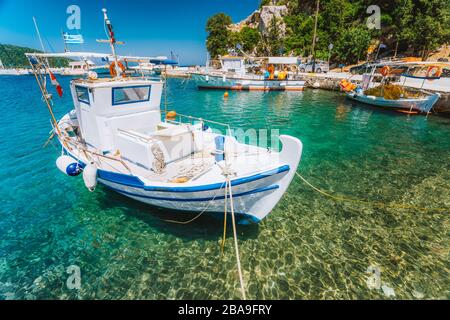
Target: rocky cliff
260, 19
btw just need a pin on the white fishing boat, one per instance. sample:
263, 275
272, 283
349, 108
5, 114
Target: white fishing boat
391, 94
233, 75
146, 68
79, 68
117, 135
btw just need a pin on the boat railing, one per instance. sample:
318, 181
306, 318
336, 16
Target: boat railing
183, 119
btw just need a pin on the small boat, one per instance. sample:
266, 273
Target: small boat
12, 71
233, 75
118, 136
79, 68
390, 95
412, 106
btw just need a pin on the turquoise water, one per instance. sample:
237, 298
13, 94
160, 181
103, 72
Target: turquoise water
309, 247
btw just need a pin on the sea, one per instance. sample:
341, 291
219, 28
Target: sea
384, 233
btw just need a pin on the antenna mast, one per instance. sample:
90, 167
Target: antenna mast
40, 39
112, 41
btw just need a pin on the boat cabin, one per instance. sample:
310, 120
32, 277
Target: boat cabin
122, 116
233, 64
104, 106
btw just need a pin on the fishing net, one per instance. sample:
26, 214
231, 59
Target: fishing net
393, 92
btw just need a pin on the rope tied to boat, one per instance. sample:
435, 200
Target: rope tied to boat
201, 213
236, 247
373, 203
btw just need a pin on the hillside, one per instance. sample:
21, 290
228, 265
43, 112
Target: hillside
412, 27
14, 57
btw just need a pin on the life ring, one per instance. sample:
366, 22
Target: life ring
113, 71
434, 72
294, 68
385, 71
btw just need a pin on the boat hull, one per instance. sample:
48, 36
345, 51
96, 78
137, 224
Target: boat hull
423, 105
254, 195
234, 83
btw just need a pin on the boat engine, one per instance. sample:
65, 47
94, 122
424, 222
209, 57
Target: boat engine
68, 166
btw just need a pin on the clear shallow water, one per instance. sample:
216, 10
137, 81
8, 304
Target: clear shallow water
309, 247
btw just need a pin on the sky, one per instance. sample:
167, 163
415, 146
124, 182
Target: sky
148, 28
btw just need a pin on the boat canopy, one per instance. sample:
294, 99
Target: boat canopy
107, 57
283, 60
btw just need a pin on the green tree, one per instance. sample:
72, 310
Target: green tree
431, 24
14, 56
352, 44
249, 38
403, 15
218, 39
274, 40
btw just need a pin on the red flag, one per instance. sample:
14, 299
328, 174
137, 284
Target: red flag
55, 83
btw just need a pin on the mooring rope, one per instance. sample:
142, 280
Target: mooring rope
222, 245
200, 214
236, 247
374, 203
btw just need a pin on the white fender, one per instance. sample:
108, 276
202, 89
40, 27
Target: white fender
68, 166
90, 176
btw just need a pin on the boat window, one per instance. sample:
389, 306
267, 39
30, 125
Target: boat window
82, 94
134, 94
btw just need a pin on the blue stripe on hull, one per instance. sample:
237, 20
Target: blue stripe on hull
135, 182
132, 181
258, 190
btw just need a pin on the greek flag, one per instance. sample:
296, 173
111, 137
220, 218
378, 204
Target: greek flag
73, 39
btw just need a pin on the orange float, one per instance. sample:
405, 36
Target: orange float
347, 86
171, 115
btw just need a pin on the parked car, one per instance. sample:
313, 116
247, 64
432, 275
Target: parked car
321, 67
362, 68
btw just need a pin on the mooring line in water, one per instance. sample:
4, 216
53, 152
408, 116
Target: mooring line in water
374, 203
197, 216
222, 245
236, 247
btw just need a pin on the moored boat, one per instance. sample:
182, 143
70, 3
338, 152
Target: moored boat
118, 136
390, 95
408, 105
233, 75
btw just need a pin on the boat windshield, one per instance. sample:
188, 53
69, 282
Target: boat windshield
125, 95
